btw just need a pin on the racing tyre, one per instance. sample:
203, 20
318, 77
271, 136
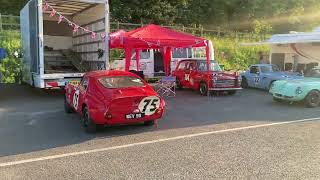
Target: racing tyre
149, 123
244, 83
88, 124
313, 99
178, 84
67, 108
203, 89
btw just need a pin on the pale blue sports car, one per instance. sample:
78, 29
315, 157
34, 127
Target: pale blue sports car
263, 75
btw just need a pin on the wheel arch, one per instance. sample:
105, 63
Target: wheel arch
83, 105
270, 83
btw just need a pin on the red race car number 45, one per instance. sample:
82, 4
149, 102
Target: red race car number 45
149, 105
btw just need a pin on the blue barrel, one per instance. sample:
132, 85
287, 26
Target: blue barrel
3, 53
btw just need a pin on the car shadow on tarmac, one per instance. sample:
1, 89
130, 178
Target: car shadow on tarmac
31, 120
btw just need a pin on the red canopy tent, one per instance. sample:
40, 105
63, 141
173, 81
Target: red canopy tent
155, 37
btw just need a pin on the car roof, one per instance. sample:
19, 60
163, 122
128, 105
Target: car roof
99, 74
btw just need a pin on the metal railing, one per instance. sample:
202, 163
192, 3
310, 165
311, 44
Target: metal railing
9, 22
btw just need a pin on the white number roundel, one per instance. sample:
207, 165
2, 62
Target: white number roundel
76, 99
149, 105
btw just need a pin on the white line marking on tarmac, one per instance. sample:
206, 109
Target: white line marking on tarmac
7, 164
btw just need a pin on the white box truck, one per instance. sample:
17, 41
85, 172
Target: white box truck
53, 54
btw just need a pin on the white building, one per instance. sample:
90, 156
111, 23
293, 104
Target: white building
297, 51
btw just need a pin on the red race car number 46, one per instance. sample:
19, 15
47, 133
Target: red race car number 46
149, 105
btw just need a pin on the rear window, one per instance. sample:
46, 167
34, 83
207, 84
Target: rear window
121, 82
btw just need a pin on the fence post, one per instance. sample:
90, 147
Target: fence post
118, 26
0, 23
201, 30
182, 28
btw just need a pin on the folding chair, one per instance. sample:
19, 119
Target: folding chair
166, 86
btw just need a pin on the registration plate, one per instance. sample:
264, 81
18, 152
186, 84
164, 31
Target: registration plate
75, 83
134, 116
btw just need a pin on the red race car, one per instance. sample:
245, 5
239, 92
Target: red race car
193, 74
113, 98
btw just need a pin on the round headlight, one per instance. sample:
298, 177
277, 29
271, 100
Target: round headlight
272, 85
299, 90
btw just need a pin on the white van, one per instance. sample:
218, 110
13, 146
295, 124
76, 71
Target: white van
152, 63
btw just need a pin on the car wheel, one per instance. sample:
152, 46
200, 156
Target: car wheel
178, 83
313, 99
149, 123
244, 83
88, 124
67, 108
203, 89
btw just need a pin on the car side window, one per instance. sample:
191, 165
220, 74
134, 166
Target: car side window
84, 83
183, 65
254, 70
191, 66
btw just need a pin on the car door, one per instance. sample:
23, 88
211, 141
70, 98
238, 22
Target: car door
79, 94
264, 77
253, 77
180, 72
190, 74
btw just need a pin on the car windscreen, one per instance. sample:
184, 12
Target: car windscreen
315, 73
214, 66
121, 82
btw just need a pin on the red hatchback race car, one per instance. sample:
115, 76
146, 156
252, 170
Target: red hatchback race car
193, 74
113, 98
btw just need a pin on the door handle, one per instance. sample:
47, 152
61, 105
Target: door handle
264, 77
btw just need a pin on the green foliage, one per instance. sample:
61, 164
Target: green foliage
10, 70
10, 66
234, 56
11, 7
282, 15
115, 54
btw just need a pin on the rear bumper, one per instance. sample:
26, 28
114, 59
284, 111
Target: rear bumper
61, 76
119, 119
224, 89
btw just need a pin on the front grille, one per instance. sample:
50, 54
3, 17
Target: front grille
224, 83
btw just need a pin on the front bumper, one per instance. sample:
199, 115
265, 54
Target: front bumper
287, 97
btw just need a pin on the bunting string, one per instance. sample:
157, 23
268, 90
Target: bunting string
75, 27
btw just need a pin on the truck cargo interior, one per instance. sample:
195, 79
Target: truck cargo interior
69, 51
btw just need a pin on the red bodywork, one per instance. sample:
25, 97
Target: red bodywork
189, 76
111, 106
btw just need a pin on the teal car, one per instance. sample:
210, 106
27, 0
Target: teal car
306, 89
